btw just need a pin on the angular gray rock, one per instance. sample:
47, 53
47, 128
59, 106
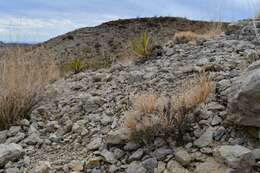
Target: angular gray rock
42, 167
244, 102
9, 152
183, 157
211, 166
236, 157
205, 139
175, 167
136, 167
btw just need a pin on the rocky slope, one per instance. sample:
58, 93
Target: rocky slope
77, 126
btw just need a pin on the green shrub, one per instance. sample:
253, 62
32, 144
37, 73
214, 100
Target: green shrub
141, 46
77, 65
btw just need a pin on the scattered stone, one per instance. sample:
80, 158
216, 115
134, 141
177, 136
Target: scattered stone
214, 106
210, 166
216, 120
42, 167
182, 157
108, 156
130, 146
3, 136
175, 167
33, 139
205, 139
12, 170
93, 163
118, 153
94, 144
161, 153
136, 155
116, 137
218, 134
136, 167
76, 165
150, 164
13, 130
161, 167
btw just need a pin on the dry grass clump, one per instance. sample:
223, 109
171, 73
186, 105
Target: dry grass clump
214, 30
163, 117
185, 37
23, 76
188, 36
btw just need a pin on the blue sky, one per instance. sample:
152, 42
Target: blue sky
39, 20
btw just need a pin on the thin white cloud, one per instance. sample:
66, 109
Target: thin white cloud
31, 23
33, 29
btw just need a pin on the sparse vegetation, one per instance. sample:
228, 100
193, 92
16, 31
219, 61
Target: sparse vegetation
214, 30
77, 65
185, 37
152, 117
142, 45
23, 76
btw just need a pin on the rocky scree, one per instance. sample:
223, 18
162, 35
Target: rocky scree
77, 127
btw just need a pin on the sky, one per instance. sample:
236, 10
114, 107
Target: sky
39, 20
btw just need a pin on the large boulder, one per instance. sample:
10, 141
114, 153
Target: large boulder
9, 152
244, 102
236, 157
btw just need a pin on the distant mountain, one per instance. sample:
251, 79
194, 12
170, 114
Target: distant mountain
3, 44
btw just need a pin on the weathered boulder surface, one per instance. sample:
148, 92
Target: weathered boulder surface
9, 152
244, 103
236, 157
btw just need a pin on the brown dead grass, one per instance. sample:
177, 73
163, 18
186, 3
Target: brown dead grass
214, 30
188, 36
145, 103
23, 76
153, 116
185, 37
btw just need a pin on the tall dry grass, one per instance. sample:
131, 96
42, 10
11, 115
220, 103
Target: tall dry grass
153, 116
23, 76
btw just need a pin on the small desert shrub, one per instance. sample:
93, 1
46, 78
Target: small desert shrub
163, 117
185, 37
23, 77
76, 65
141, 46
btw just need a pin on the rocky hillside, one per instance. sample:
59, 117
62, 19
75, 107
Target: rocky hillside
110, 41
77, 127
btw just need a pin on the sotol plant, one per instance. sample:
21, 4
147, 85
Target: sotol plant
141, 46
77, 65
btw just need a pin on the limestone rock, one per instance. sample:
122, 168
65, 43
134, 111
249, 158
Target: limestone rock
182, 157
42, 167
10, 152
244, 102
136, 167
237, 157
210, 166
175, 167
205, 139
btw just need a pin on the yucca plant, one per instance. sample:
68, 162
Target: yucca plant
141, 46
77, 65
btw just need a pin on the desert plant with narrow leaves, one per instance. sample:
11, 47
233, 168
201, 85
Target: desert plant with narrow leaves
76, 65
142, 45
